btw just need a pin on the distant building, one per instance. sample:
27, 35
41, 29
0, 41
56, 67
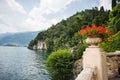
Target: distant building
118, 1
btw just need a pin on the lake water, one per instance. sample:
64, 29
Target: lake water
20, 63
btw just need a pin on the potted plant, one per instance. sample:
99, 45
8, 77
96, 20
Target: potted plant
95, 34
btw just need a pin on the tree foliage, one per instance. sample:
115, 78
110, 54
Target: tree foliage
80, 51
113, 3
65, 33
114, 20
112, 44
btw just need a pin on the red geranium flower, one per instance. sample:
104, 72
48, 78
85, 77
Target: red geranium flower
95, 31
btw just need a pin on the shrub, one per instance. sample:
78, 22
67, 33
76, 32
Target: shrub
60, 64
80, 50
112, 44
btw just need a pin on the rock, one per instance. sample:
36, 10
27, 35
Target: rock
41, 45
78, 67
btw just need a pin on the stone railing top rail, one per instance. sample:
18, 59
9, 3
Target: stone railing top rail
117, 53
86, 74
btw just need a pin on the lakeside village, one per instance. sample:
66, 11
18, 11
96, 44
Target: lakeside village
85, 46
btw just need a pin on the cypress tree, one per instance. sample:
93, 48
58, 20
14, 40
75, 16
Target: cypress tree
101, 8
113, 3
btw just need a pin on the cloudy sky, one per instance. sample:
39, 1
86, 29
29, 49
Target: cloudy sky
36, 15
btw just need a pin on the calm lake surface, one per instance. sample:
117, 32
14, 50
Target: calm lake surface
20, 63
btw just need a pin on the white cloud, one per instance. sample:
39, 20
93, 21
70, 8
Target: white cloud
39, 23
106, 4
1, 16
55, 5
35, 24
48, 7
37, 20
16, 6
54, 21
11, 19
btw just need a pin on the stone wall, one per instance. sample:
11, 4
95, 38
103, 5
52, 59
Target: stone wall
113, 62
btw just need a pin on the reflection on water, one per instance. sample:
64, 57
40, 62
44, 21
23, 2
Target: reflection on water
20, 63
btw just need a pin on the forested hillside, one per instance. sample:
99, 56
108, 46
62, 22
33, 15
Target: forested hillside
65, 34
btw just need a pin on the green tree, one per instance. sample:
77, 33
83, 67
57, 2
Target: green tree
97, 20
112, 44
80, 21
31, 44
115, 19
49, 44
80, 51
102, 8
113, 3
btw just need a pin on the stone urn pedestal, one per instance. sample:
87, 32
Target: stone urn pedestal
93, 41
95, 58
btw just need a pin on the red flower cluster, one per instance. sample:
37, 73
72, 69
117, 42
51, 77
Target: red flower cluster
95, 31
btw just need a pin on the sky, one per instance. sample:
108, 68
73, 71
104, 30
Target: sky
37, 15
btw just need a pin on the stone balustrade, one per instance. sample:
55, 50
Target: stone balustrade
94, 61
113, 64
113, 68
86, 74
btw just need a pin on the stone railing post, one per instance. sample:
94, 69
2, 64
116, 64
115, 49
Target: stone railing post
86, 74
94, 57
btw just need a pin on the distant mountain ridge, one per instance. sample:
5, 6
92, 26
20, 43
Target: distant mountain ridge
17, 39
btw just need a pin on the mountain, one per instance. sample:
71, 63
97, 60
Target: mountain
65, 34
17, 39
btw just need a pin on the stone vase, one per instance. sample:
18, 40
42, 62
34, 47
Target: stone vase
93, 41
